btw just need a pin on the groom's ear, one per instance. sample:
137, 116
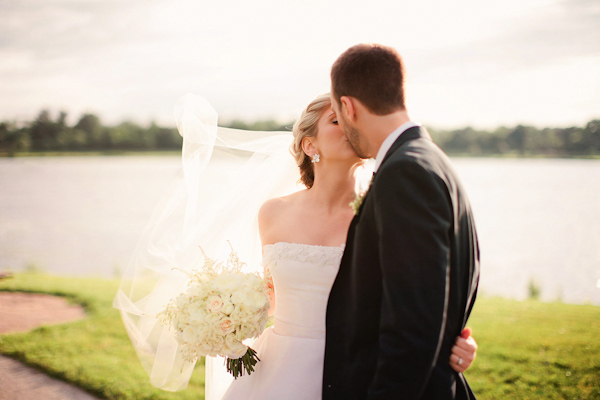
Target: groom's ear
348, 108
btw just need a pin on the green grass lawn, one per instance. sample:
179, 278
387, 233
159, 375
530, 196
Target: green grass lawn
527, 350
95, 353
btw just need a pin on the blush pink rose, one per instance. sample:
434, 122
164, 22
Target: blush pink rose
226, 326
215, 304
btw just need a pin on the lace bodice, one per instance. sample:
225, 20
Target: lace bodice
310, 253
302, 276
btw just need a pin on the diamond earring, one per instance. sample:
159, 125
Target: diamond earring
316, 158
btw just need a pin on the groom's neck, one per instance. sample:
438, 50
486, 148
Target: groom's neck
376, 128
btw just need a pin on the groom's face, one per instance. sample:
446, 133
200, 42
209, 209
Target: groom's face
352, 134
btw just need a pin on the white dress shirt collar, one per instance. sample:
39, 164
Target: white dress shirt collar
389, 141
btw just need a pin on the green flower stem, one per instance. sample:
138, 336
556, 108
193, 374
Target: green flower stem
247, 362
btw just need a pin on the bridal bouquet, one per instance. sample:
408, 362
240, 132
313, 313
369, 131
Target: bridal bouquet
221, 307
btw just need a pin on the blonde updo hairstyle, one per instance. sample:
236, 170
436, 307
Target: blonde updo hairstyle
305, 127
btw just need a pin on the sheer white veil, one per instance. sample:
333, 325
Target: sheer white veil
227, 175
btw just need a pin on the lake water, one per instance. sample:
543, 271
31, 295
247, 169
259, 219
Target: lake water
538, 219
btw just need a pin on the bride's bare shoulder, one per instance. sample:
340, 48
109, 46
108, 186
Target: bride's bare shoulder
275, 207
277, 215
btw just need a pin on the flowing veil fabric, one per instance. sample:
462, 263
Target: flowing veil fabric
227, 175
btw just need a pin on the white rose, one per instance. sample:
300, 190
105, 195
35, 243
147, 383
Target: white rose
234, 348
237, 350
238, 313
211, 321
231, 340
196, 312
227, 307
210, 346
204, 349
244, 332
189, 334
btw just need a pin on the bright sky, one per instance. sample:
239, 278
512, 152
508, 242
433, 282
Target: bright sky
469, 62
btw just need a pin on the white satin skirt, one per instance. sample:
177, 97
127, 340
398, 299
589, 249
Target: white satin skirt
290, 368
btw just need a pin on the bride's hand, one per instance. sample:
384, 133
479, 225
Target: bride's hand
463, 351
271, 292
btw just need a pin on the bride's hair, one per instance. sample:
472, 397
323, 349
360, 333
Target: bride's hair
306, 126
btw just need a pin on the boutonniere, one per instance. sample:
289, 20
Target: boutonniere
357, 202
362, 188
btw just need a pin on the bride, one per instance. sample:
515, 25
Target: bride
303, 236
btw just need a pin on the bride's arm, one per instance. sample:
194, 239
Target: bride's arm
266, 222
464, 351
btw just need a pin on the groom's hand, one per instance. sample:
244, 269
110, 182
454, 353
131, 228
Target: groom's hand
465, 333
464, 351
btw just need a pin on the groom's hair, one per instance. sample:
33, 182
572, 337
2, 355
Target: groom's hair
371, 73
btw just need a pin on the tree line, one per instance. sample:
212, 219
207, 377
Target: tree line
47, 134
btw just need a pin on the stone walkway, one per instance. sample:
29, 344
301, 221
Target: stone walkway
20, 312
20, 382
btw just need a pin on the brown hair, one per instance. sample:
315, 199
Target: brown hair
373, 74
306, 126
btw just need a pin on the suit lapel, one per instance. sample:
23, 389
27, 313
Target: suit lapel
416, 132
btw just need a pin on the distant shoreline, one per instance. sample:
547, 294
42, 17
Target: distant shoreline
24, 154
96, 153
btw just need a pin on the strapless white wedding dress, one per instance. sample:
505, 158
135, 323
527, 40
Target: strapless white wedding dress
291, 351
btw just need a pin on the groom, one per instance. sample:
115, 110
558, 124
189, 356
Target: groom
409, 274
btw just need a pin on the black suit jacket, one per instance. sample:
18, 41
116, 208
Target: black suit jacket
406, 284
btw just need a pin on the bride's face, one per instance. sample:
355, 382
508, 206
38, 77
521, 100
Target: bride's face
331, 142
